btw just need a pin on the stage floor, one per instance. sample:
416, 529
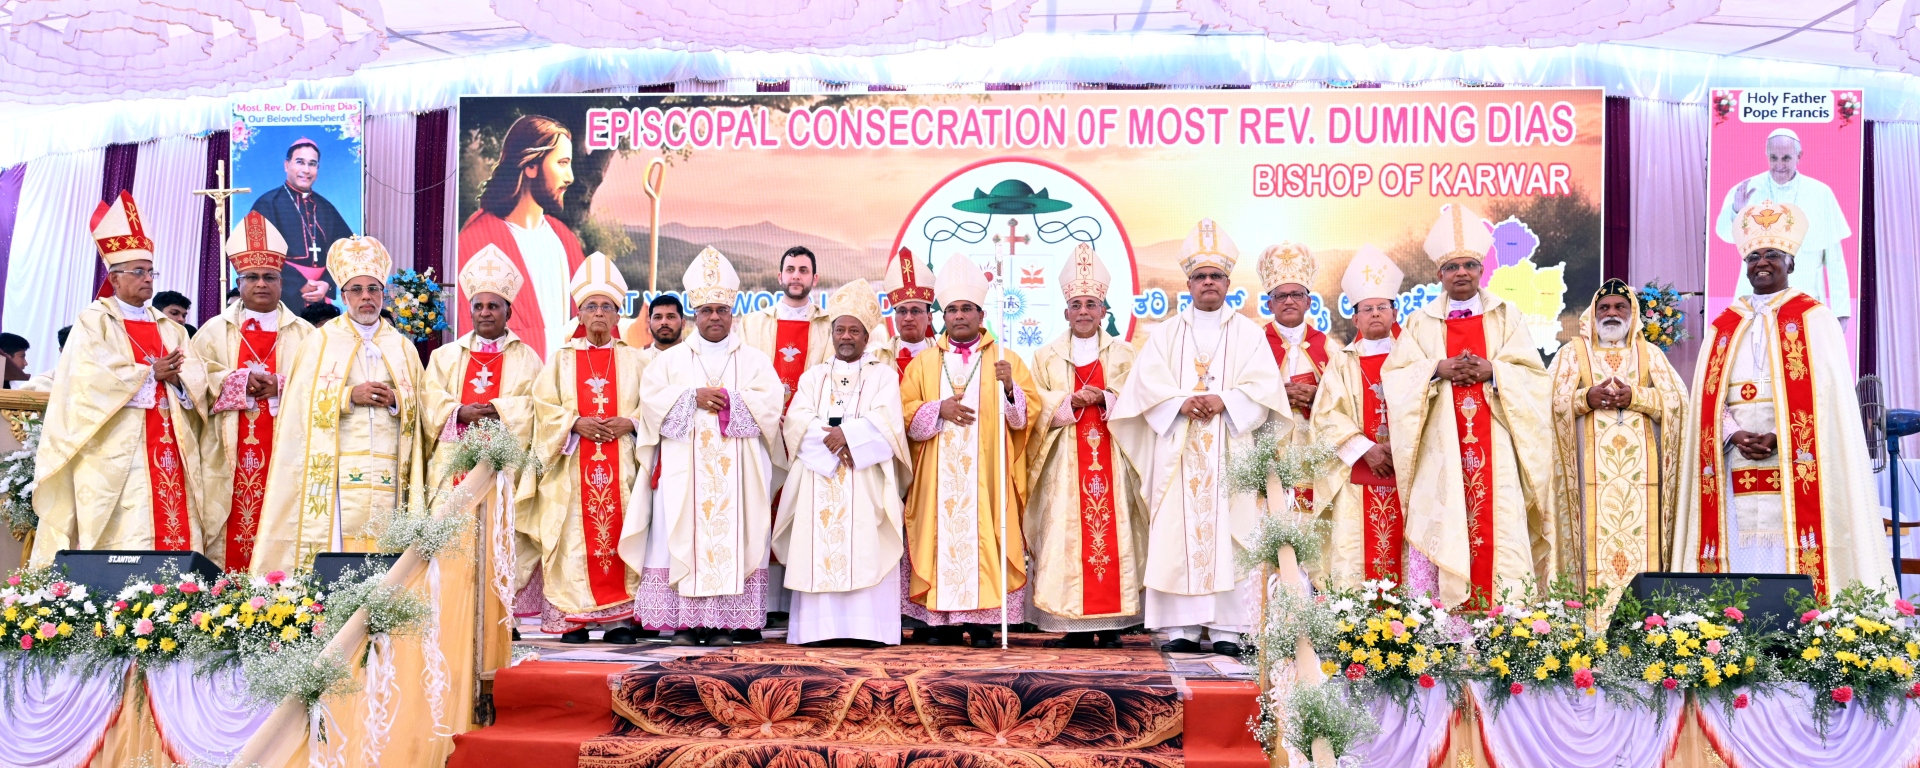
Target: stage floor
653, 705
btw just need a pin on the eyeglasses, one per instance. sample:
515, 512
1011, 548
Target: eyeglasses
911, 310
1290, 296
1201, 277
599, 306
1455, 266
1756, 256
138, 274
364, 290
260, 277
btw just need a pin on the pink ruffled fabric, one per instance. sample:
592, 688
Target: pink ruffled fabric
1016, 605
660, 606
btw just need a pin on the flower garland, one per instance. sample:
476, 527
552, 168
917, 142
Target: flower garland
1687, 643
1395, 643
1861, 647
16, 480
1661, 320
1546, 641
38, 613
418, 306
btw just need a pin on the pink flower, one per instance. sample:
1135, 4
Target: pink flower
219, 588
1914, 692
1541, 627
1574, 605
1905, 608
1740, 701
1496, 610
159, 589
48, 630
1435, 602
26, 642
143, 627
1397, 627
316, 608
1516, 689
1669, 683
1843, 694
257, 602
1656, 620
189, 587
1583, 678
1809, 616
1426, 681
275, 577
119, 605
61, 588
13, 581
1356, 671
1713, 647
1734, 614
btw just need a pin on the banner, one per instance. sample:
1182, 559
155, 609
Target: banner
301, 164
1789, 145
1019, 179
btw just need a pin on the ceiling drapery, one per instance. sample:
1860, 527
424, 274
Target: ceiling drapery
93, 50
1900, 49
844, 27
1452, 24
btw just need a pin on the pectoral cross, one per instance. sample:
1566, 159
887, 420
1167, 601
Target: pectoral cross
1379, 411
219, 194
599, 387
1012, 239
313, 253
483, 381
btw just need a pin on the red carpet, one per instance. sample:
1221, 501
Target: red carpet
789, 708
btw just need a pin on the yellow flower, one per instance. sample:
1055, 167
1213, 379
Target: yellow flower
1810, 654
1521, 632
1626, 652
141, 644
167, 645
1913, 649
1552, 664
1540, 673
1731, 669
1495, 632
1656, 639
289, 634
1654, 672
12, 614
1680, 670
1679, 635
1359, 654
1416, 665
1599, 645
1328, 667
1845, 633
66, 630
120, 630
1394, 659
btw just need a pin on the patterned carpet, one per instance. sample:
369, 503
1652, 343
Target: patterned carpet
911, 707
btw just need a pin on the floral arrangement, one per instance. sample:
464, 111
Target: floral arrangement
1723, 106
16, 481
151, 619
1292, 465
1394, 642
1661, 320
411, 525
242, 613
1274, 531
419, 310
39, 613
303, 670
1848, 106
1331, 711
1545, 642
1860, 647
1687, 643
489, 441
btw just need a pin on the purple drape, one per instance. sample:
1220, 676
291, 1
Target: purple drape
1868, 324
212, 261
117, 177
430, 134
1617, 210
10, 181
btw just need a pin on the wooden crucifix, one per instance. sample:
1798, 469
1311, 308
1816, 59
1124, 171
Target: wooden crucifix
220, 194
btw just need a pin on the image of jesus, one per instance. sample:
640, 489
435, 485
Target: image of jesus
517, 208
1821, 268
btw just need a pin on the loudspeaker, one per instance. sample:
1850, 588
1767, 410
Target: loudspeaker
330, 566
106, 571
1767, 610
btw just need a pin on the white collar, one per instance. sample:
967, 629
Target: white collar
1205, 319
1292, 335
1371, 347
130, 311
703, 347
1085, 350
784, 311
590, 344
915, 346
366, 331
1471, 305
1758, 301
268, 321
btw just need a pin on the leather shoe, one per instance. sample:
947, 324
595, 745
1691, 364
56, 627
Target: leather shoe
619, 636
746, 636
1225, 648
719, 638
1072, 640
982, 637
1181, 645
685, 637
1107, 639
516, 635
576, 637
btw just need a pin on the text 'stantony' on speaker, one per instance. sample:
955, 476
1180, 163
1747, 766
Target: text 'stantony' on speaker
105, 571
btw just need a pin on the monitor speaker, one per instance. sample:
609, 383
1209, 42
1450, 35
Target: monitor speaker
106, 571
330, 566
1767, 610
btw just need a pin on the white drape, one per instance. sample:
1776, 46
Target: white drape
1669, 147
388, 149
163, 183
50, 273
1896, 210
204, 717
57, 721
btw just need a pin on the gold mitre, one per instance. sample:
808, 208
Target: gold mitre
1371, 275
1286, 263
358, 256
856, 300
960, 280
1768, 224
597, 276
710, 279
1085, 274
1459, 233
490, 271
1208, 246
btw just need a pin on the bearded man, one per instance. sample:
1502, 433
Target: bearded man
517, 215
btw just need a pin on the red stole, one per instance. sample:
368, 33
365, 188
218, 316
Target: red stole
902, 358
484, 229
1473, 422
790, 355
1099, 525
1384, 534
1313, 342
1798, 443
166, 475
601, 511
255, 455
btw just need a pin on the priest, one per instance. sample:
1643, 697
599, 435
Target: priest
1618, 413
969, 409
589, 435
912, 304
1200, 386
1301, 351
839, 528
1361, 496
1776, 478
119, 459
1085, 522
793, 330
715, 403
352, 406
248, 349
1467, 396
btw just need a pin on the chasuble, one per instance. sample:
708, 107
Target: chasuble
1085, 524
473, 370
1369, 540
119, 459
795, 339
839, 528
1471, 463
236, 448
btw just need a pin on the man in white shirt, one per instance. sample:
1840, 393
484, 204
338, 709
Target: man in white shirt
1822, 271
